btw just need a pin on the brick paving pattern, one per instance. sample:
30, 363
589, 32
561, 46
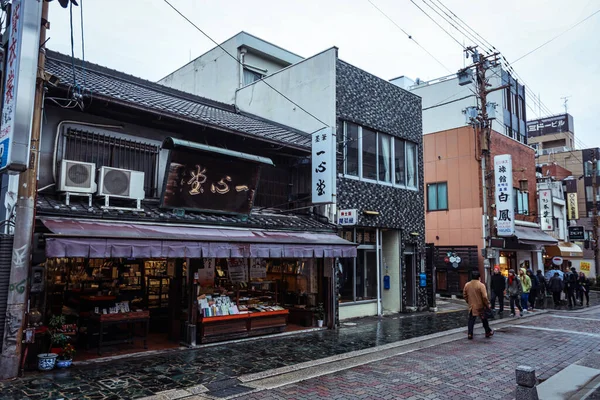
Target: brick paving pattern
478, 369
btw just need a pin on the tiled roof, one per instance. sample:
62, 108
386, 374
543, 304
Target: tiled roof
135, 92
48, 205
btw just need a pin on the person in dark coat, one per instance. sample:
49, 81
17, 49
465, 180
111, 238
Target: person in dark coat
498, 286
570, 279
556, 286
583, 289
543, 285
535, 286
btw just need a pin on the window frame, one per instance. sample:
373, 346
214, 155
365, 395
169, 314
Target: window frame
437, 193
392, 155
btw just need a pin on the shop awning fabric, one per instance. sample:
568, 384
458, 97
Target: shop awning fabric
95, 239
564, 249
533, 236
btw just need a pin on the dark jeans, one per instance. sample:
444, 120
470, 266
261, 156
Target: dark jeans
571, 296
532, 296
472, 319
515, 299
500, 297
556, 298
581, 293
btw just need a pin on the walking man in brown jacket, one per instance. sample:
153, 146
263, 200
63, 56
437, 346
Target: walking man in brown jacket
475, 294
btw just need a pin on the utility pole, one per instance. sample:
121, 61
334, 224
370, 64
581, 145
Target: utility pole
483, 126
595, 208
24, 223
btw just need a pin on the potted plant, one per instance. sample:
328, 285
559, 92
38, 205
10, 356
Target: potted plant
320, 314
65, 358
46, 361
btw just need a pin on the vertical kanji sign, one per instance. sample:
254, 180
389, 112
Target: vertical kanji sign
546, 210
19, 84
572, 206
505, 208
323, 166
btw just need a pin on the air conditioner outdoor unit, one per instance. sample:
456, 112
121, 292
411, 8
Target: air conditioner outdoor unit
77, 177
122, 183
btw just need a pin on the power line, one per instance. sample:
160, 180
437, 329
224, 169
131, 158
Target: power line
409, 36
451, 21
557, 36
239, 62
448, 102
435, 22
467, 25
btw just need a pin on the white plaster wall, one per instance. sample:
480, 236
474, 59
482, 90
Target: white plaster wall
391, 256
309, 83
214, 75
577, 264
255, 60
357, 310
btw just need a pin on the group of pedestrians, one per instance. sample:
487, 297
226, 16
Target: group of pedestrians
523, 291
575, 286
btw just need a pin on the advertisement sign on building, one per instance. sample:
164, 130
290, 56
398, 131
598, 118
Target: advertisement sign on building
572, 206
209, 182
323, 166
347, 217
505, 209
584, 267
19, 85
546, 210
576, 233
550, 125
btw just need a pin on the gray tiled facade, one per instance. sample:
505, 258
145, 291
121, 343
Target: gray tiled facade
374, 103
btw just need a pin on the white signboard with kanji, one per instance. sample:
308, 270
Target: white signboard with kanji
546, 210
505, 208
19, 84
347, 217
323, 166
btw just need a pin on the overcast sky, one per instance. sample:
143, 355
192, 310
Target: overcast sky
146, 38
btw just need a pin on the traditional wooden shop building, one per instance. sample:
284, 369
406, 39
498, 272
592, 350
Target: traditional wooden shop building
173, 217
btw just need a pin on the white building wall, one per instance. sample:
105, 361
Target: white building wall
310, 83
391, 258
216, 75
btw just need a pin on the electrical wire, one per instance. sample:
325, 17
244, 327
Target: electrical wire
410, 37
239, 62
82, 43
556, 37
440, 26
451, 22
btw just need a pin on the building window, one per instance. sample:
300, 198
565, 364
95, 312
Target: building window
358, 280
116, 152
251, 76
589, 190
379, 157
588, 168
521, 202
437, 196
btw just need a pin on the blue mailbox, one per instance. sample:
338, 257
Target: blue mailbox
422, 279
386, 282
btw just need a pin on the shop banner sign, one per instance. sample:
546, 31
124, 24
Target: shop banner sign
576, 233
19, 85
572, 206
258, 268
323, 166
546, 210
505, 209
238, 270
209, 182
347, 217
584, 267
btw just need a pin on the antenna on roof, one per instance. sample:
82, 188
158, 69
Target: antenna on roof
565, 101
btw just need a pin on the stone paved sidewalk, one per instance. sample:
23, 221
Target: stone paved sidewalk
462, 369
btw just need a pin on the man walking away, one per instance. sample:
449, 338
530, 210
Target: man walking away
556, 286
543, 288
526, 285
584, 289
514, 290
498, 285
535, 286
570, 280
475, 294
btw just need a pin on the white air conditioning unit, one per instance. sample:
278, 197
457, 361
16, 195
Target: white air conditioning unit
77, 177
124, 183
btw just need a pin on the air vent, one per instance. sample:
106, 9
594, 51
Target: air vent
77, 177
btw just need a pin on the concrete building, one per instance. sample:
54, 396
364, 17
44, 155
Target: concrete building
379, 168
551, 134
